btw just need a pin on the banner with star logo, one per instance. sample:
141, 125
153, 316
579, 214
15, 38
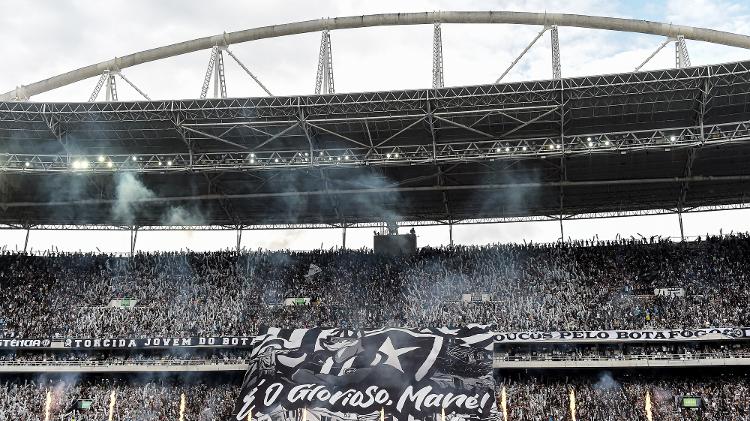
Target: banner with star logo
394, 373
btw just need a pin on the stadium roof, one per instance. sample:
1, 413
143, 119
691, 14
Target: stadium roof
607, 145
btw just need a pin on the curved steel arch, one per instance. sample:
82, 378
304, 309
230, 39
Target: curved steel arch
387, 19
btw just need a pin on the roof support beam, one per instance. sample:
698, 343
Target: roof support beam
386, 19
210, 136
523, 53
132, 85
659, 48
55, 126
437, 57
215, 68
262, 86
324, 77
555, 40
682, 58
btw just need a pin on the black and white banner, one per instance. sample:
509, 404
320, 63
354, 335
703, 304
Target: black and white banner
403, 373
160, 342
645, 335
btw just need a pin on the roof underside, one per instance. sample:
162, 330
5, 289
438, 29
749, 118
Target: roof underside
629, 142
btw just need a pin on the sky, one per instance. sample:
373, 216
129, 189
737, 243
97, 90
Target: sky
42, 38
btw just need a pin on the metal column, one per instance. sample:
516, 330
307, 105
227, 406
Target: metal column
324, 77
437, 57
556, 72
239, 238
26, 242
133, 239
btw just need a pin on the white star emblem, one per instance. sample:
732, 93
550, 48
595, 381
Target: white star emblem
392, 354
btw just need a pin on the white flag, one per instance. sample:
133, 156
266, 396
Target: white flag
314, 269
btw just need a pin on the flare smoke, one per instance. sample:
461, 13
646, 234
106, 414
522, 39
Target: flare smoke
47, 405
112, 400
648, 406
572, 398
182, 407
504, 404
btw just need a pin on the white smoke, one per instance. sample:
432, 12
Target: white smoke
606, 382
128, 192
181, 216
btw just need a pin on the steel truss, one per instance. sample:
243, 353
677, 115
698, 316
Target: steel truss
552, 20
376, 128
666, 139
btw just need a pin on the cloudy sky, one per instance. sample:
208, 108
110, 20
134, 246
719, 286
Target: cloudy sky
44, 38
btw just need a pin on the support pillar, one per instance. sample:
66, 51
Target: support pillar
26, 242
437, 57
239, 238
450, 232
133, 239
682, 229
343, 238
562, 231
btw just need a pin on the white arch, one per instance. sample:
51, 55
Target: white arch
387, 19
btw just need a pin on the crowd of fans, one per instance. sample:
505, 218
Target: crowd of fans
579, 286
573, 286
625, 397
672, 351
605, 397
142, 401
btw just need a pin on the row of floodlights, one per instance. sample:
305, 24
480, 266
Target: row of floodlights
84, 164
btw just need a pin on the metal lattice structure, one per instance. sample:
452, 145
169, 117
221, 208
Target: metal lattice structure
558, 149
626, 141
437, 57
324, 77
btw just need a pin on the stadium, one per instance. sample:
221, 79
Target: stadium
647, 328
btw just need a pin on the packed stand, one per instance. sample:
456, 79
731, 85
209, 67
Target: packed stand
143, 401
571, 286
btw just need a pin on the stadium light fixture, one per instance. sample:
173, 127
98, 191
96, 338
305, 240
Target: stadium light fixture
135, 158
109, 164
396, 155
524, 148
276, 160
606, 143
507, 149
100, 158
672, 138
169, 163
388, 156
27, 164
252, 155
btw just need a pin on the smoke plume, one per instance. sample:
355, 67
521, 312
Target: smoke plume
128, 191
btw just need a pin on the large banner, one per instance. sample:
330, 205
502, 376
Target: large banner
643, 335
331, 374
160, 342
